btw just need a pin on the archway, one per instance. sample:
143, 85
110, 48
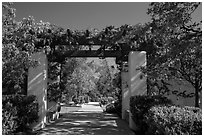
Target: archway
133, 81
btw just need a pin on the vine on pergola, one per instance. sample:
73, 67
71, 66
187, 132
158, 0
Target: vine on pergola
58, 41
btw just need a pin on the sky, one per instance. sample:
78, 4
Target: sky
84, 15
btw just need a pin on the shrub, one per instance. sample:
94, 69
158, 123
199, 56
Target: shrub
172, 120
139, 106
104, 101
86, 99
9, 118
118, 108
53, 92
18, 112
115, 108
75, 100
110, 108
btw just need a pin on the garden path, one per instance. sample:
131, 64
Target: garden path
87, 120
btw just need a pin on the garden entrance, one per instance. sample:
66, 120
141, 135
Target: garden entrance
132, 78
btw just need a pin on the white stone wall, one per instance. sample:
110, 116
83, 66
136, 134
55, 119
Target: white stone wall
37, 85
137, 80
181, 86
133, 82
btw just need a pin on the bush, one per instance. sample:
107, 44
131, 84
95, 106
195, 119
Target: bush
75, 100
9, 118
115, 108
53, 92
118, 108
104, 101
18, 112
139, 106
86, 99
93, 96
110, 108
172, 120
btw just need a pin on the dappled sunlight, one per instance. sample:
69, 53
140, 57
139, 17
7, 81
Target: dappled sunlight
68, 123
134, 78
139, 88
35, 78
87, 123
125, 91
108, 123
36, 84
137, 78
138, 73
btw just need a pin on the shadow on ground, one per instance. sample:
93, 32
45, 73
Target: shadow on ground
87, 123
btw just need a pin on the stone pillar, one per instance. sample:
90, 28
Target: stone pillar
137, 80
37, 85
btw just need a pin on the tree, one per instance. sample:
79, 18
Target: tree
177, 42
105, 83
116, 82
80, 79
17, 46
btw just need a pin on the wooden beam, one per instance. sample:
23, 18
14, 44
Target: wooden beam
89, 53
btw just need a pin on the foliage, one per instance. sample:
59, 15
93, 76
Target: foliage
22, 39
115, 108
103, 101
172, 120
173, 44
17, 45
79, 77
159, 37
87, 99
82, 80
110, 108
93, 95
139, 106
105, 81
118, 107
53, 92
75, 76
118, 93
9, 118
18, 112
114, 91
53, 70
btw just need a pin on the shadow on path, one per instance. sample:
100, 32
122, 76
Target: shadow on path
87, 123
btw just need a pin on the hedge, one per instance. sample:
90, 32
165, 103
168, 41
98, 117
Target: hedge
173, 120
18, 112
139, 106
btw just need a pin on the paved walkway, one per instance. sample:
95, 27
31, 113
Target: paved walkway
87, 120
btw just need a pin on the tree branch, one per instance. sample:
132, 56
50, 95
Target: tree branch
190, 29
184, 75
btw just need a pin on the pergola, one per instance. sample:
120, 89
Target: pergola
60, 44
110, 42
